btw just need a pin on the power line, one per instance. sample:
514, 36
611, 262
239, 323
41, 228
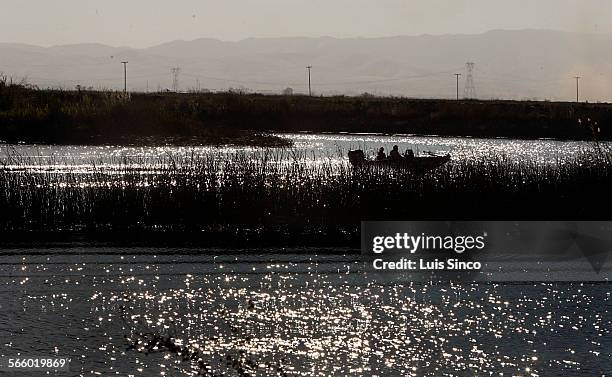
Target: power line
510, 77
348, 82
326, 84
90, 79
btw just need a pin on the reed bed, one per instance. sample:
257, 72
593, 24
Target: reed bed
283, 188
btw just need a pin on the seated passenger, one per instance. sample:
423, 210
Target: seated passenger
395, 155
409, 154
381, 154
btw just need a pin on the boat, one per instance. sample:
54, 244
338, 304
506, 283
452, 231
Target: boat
417, 164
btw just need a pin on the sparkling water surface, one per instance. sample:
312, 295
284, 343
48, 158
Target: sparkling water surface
303, 312
297, 312
316, 148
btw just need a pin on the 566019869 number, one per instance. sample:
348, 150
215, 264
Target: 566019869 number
33, 363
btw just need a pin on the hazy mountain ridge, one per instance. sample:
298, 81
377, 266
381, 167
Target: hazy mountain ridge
509, 64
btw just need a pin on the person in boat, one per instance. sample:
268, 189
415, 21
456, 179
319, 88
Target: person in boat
409, 154
395, 154
381, 154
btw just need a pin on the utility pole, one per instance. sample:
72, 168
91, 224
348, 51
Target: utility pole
577, 88
124, 76
457, 75
309, 85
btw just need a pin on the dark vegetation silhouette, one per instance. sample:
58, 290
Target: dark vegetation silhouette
239, 361
279, 197
87, 117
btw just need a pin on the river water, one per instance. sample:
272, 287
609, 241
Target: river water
313, 147
310, 312
302, 312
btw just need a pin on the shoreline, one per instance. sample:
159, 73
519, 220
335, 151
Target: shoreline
106, 118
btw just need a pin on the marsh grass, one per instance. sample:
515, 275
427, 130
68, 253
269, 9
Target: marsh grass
289, 190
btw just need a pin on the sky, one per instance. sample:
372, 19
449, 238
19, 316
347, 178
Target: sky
144, 23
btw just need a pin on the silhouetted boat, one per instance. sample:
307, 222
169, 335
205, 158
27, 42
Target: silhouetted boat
418, 164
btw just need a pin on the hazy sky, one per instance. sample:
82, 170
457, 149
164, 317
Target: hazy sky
141, 23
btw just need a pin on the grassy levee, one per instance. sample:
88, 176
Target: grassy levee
247, 200
86, 117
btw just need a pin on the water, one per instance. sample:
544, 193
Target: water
540, 151
308, 312
303, 312
315, 147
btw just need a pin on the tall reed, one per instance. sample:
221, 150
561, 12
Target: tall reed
275, 188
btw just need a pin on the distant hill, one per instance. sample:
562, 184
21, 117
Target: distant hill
526, 64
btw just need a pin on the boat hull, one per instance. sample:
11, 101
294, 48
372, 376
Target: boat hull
416, 164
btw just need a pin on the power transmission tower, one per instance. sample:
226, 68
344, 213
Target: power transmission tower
457, 75
175, 78
124, 76
309, 85
577, 88
470, 87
